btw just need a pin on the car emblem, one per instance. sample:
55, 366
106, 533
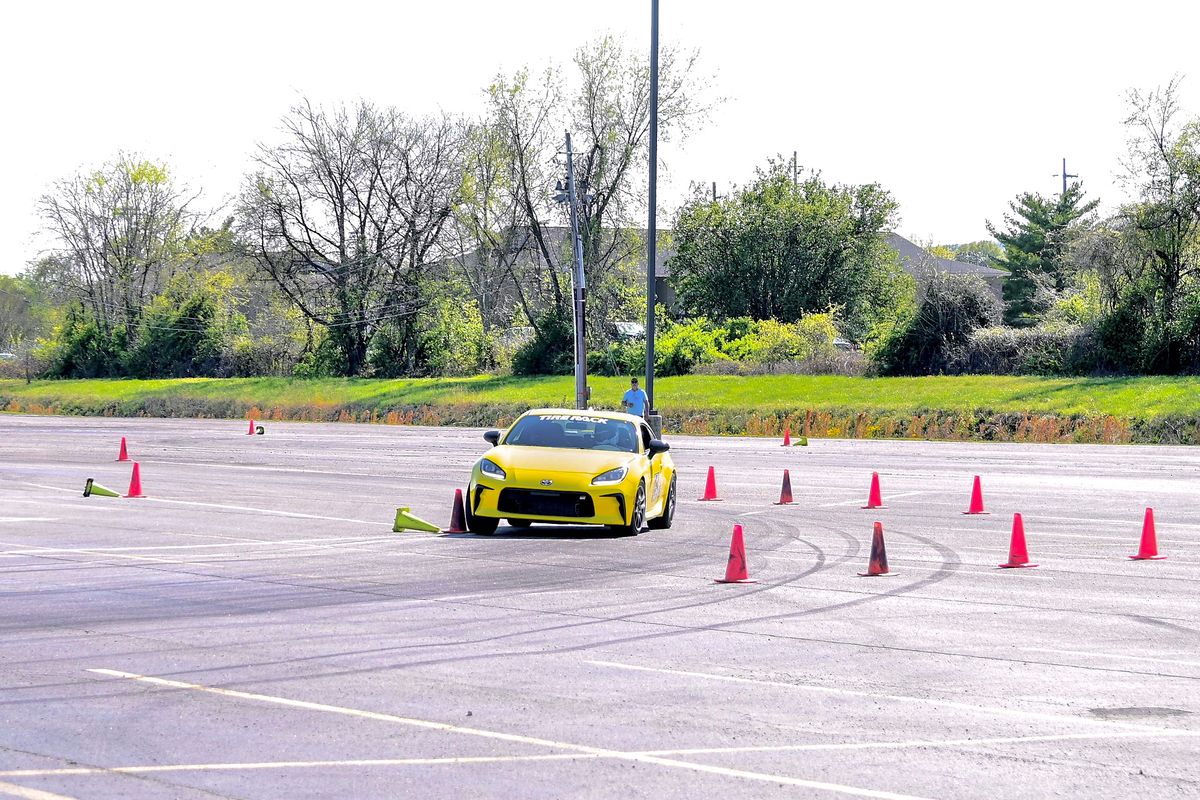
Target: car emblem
547, 482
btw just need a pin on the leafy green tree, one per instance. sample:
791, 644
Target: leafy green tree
1036, 240
1163, 225
779, 249
121, 232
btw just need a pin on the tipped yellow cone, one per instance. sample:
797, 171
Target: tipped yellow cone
407, 522
801, 441
92, 488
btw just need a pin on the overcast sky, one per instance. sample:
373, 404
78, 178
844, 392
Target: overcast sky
955, 107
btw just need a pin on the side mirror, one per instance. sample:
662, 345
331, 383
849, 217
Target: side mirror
492, 437
658, 446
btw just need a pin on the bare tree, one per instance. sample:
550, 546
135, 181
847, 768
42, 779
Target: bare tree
608, 113
122, 231
347, 213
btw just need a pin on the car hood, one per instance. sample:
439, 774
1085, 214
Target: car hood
520, 462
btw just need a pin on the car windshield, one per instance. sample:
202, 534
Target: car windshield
575, 431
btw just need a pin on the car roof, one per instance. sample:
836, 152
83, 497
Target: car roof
591, 412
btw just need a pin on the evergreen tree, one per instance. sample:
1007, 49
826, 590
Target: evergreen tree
1036, 241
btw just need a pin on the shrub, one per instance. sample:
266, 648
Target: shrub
551, 351
1044, 350
950, 310
78, 348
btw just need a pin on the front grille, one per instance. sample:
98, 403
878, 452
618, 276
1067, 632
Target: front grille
545, 504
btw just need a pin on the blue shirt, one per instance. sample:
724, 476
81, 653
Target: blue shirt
636, 398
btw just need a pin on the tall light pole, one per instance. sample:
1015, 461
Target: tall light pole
651, 231
579, 305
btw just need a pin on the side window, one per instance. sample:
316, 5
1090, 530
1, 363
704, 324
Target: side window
646, 437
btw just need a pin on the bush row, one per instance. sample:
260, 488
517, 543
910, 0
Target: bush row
979, 425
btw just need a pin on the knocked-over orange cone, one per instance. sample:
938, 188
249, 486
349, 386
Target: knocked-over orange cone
457, 518
875, 497
710, 486
787, 436
135, 482
1018, 556
735, 570
1148, 551
124, 454
976, 499
251, 431
785, 493
878, 565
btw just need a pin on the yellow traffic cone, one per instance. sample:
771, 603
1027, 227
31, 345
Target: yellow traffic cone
92, 488
406, 521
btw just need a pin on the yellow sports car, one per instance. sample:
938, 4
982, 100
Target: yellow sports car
562, 466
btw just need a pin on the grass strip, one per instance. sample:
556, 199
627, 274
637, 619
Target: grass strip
962, 408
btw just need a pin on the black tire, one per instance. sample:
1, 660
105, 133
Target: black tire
668, 515
523, 524
479, 525
637, 515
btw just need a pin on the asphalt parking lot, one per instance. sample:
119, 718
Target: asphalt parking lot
253, 628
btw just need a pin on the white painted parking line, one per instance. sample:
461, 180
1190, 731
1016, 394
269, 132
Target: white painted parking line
859, 500
920, 743
783, 780
28, 519
228, 507
12, 790
333, 541
233, 767
928, 701
1092, 654
464, 760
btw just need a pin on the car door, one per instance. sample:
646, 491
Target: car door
656, 491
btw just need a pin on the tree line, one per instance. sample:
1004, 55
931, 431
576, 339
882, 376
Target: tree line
367, 241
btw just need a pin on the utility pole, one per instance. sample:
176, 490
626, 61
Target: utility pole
651, 231
1065, 175
580, 282
795, 171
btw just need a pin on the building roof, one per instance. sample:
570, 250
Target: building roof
913, 257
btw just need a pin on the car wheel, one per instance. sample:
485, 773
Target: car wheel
668, 515
521, 523
638, 515
479, 525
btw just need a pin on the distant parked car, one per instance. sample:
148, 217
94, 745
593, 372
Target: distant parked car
8, 356
844, 344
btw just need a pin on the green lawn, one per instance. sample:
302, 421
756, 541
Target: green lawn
992, 408
1132, 398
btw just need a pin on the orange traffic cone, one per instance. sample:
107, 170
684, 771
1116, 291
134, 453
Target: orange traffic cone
785, 494
124, 454
457, 518
710, 486
251, 431
787, 436
976, 499
135, 482
735, 570
1018, 556
1149, 548
875, 498
878, 565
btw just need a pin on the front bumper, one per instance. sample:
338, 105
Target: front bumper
595, 505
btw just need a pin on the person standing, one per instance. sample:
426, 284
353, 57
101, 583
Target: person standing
635, 400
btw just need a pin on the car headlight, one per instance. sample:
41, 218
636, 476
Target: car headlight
491, 469
612, 476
